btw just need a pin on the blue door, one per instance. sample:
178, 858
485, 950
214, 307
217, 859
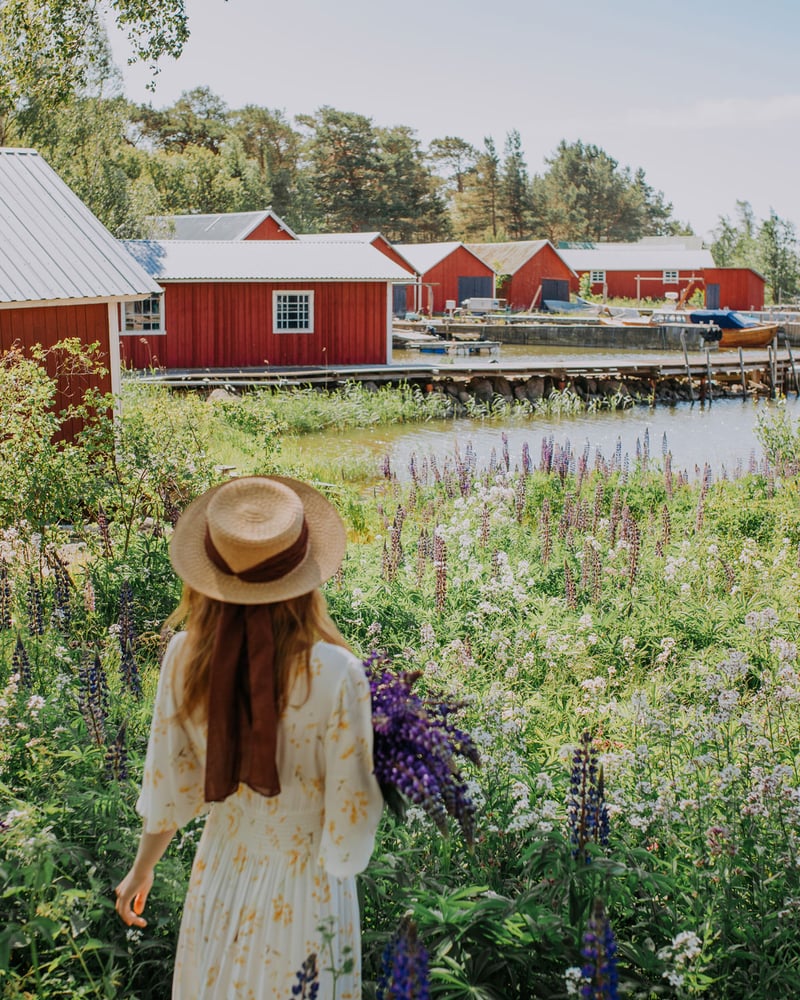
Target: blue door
399, 307
470, 287
712, 296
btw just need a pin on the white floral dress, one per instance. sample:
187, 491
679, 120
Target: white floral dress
273, 879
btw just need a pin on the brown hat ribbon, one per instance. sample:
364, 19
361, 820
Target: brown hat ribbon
242, 714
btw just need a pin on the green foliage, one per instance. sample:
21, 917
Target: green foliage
586, 195
657, 615
769, 246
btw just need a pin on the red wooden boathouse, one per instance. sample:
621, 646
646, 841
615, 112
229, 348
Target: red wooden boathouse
528, 272
449, 272
62, 274
261, 302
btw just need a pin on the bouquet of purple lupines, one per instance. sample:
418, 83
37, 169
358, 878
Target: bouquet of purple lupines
416, 748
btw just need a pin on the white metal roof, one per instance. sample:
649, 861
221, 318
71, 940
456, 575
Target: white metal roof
264, 260
424, 256
339, 237
508, 258
220, 226
637, 257
51, 246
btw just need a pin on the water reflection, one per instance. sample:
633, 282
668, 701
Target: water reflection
722, 435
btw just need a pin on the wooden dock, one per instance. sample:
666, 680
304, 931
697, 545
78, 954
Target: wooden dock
775, 368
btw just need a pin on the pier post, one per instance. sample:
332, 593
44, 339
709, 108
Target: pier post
791, 362
744, 378
688, 366
708, 378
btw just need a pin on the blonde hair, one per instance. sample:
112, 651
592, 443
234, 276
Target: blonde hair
297, 624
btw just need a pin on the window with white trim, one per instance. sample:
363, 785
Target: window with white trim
292, 312
597, 277
670, 277
143, 316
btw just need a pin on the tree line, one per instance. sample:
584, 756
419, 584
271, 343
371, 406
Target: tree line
326, 171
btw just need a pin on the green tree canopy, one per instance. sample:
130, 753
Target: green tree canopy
769, 247
585, 195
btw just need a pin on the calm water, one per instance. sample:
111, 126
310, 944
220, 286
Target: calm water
722, 434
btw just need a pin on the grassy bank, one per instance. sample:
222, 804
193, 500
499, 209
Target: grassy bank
624, 645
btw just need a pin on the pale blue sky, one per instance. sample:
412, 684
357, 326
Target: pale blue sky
704, 95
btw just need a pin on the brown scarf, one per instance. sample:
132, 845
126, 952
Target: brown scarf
242, 714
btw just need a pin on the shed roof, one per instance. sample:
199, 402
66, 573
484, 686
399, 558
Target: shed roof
354, 238
51, 246
424, 256
636, 257
263, 260
508, 258
220, 226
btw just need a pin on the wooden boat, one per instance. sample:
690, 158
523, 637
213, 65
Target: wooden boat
737, 329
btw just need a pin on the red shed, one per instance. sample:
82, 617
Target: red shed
62, 274
531, 271
734, 288
646, 270
255, 303
264, 225
450, 272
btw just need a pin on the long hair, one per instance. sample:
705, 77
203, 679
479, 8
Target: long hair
297, 624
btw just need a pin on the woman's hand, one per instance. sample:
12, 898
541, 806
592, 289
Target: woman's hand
132, 895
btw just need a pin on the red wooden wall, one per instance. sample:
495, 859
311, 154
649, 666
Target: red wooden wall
739, 287
46, 325
623, 284
443, 277
229, 324
269, 230
524, 284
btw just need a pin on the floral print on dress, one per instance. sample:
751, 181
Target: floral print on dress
273, 879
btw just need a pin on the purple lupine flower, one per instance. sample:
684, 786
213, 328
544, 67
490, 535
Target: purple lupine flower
307, 985
544, 528
506, 456
127, 629
440, 568
416, 744
520, 493
93, 696
597, 511
485, 524
587, 811
570, 591
21, 664
404, 967
600, 957
5, 598
386, 466
62, 612
105, 534
527, 464
89, 596
117, 757
35, 607
130, 671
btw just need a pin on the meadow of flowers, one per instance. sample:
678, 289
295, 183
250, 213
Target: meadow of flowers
617, 640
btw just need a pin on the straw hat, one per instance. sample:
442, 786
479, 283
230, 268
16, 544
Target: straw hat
248, 522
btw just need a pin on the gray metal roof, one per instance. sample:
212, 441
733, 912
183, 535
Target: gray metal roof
264, 260
424, 256
508, 258
637, 257
222, 226
339, 237
51, 246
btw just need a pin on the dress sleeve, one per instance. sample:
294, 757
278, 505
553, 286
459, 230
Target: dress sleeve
353, 799
174, 775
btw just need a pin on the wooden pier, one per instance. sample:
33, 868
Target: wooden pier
771, 369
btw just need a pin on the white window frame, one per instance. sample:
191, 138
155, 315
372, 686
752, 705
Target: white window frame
137, 319
671, 277
278, 310
597, 277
